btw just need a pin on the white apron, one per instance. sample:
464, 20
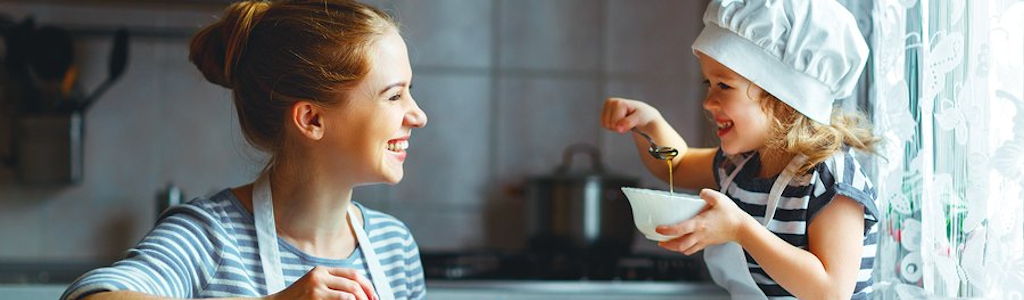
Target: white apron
266, 236
726, 262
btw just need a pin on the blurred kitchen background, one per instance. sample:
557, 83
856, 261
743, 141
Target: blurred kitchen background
508, 85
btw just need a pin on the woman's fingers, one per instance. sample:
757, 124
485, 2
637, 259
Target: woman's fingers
345, 286
329, 283
336, 295
349, 280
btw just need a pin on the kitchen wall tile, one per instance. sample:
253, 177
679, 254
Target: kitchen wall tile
652, 38
538, 118
552, 35
435, 38
376, 196
95, 14
444, 230
88, 230
21, 228
386, 5
205, 150
128, 116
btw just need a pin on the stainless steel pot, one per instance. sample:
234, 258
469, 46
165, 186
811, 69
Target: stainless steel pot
579, 211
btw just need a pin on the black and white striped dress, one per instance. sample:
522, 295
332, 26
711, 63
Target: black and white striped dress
802, 199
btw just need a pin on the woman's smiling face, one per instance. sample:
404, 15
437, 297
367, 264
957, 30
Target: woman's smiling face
369, 132
742, 124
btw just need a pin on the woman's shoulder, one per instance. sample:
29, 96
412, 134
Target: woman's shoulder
212, 211
380, 221
389, 231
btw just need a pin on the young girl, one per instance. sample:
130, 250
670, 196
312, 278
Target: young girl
323, 87
793, 215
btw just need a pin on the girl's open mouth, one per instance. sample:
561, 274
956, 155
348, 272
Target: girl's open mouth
723, 127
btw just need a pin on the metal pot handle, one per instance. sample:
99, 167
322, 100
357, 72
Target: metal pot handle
590, 150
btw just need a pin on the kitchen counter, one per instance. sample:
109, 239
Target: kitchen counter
31, 291
572, 290
499, 290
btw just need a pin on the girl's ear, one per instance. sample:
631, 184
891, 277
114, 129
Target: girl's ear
308, 119
755, 92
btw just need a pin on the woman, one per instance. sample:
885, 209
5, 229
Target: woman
323, 87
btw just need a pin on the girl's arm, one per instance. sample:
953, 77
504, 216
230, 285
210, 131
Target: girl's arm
693, 166
826, 270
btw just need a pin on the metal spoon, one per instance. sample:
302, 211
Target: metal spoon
658, 152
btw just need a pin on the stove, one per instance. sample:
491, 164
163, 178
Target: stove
498, 265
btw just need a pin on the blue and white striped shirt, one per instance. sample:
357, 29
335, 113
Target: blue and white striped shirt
207, 248
801, 200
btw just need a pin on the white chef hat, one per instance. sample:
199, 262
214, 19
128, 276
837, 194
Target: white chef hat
807, 53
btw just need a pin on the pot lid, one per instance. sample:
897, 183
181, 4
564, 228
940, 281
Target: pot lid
597, 170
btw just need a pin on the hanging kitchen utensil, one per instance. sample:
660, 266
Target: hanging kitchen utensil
49, 124
41, 65
51, 70
115, 68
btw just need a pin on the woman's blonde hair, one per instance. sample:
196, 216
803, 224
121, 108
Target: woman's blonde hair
272, 54
795, 133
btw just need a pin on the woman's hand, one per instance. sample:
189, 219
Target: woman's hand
720, 222
621, 115
328, 283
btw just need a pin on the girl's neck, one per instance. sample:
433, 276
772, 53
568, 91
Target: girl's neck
773, 162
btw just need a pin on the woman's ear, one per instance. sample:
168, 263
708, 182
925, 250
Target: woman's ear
308, 119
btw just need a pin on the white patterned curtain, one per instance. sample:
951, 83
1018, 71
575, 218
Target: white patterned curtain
948, 100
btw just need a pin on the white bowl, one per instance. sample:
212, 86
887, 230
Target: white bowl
652, 208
